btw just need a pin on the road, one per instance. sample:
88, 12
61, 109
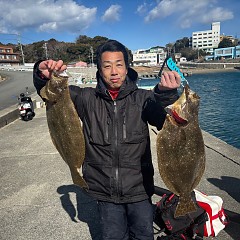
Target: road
15, 84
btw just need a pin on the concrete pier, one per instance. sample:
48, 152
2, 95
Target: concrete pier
39, 201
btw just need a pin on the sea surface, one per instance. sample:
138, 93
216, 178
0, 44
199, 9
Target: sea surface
219, 112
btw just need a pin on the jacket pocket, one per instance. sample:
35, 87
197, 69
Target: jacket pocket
98, 178
99, 129
135, 130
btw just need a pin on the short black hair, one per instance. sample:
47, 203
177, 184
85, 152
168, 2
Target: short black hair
111, 46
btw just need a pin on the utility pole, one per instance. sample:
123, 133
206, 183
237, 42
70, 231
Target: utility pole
91, 50
21, 49
46, 50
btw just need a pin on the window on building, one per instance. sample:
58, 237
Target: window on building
228, 51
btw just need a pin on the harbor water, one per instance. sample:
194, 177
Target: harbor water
219, 112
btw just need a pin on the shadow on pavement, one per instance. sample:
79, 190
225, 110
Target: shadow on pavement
232, 229
85, 211
229, 185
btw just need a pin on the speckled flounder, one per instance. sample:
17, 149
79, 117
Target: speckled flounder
64, 125
180, 150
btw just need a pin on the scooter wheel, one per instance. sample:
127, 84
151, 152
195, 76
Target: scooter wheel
25, 118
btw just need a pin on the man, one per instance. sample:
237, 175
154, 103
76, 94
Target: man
115, 115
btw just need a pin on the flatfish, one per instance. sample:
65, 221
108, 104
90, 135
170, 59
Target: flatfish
64, 125
180, 150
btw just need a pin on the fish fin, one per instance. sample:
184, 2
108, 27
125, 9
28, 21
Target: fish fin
78, 180
184, 207
43, 92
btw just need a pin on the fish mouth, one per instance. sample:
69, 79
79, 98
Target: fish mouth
178, 119
175, 116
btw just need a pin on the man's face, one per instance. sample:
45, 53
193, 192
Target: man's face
113, 69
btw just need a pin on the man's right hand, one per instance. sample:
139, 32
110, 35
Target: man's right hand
48, 66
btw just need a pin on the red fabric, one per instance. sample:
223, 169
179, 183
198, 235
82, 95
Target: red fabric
208, 209
113, 93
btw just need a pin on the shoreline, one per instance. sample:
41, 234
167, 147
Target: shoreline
140, 71
210, 70
154, 70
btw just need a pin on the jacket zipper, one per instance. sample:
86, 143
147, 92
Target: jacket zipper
116, 148
124, 127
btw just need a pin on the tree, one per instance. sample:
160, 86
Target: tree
226, 42
181, 43
78, 52
87, 43
189, 53
83, 39
169, 48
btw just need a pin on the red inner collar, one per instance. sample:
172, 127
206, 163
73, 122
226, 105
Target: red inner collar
113, 93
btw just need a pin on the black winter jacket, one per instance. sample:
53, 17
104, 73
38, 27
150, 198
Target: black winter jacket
118, 165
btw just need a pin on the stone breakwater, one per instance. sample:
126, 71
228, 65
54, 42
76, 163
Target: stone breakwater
211, 65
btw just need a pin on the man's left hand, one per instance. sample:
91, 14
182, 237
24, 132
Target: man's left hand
169, 80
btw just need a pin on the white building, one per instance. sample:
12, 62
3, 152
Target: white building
149, 57
207, 40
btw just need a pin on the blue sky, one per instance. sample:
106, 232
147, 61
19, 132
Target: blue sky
139, 24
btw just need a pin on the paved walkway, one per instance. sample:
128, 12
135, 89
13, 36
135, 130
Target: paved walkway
39, 201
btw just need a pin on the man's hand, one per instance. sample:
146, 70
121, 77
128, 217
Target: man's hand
48, 66
169, 80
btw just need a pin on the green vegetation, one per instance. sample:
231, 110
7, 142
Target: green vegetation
226, 43
84, 49
182, 46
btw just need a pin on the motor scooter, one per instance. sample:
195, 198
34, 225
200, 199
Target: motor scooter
25, 106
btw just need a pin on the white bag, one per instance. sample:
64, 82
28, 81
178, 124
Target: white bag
217, 219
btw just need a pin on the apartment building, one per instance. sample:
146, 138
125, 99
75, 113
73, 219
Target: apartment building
227, 53
149, 57
207, 40
8, 57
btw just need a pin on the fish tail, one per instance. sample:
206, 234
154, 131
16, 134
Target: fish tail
78, 180
184, 207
